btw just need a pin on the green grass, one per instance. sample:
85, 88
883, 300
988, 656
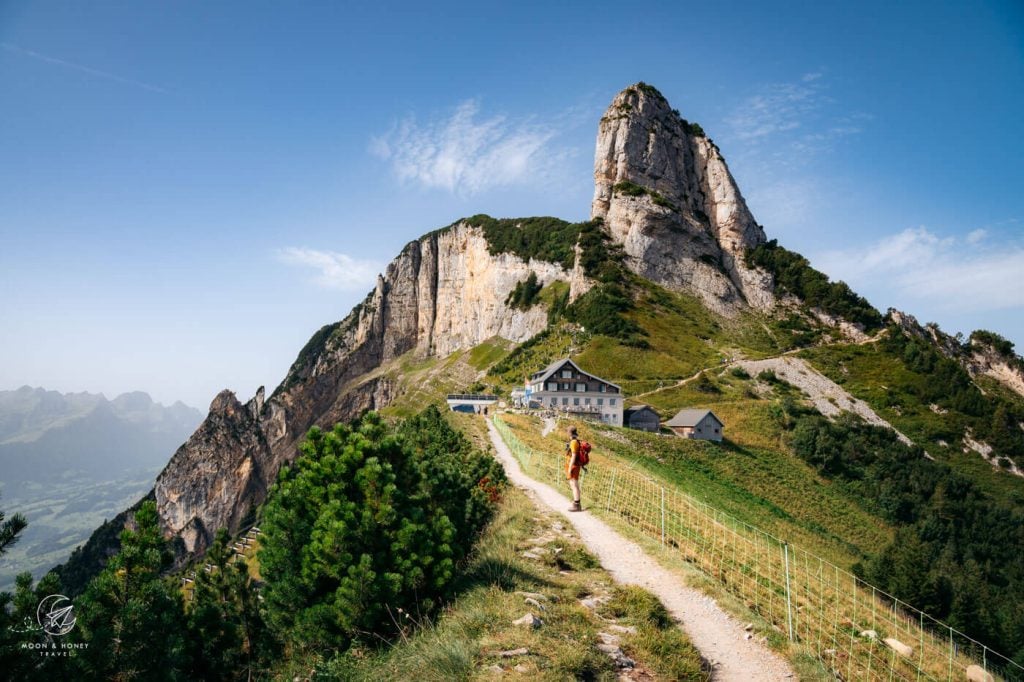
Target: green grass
555, 342
465, 642
419, 382
553, 292
489, 352
766, 488
678, 337
801, 656
682, 337
657, 640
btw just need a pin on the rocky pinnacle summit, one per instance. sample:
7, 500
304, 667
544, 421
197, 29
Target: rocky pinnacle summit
666, 194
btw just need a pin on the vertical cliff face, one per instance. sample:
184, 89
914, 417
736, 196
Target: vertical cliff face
443, 293
667, 196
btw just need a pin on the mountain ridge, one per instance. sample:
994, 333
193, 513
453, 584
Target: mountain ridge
26, 412
69, 461
666, 210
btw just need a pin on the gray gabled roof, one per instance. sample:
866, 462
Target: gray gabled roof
551, 369
639, 408
691, 417
546, 373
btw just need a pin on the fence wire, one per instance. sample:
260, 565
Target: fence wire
856, 631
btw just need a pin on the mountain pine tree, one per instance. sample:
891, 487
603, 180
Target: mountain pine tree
10, 529
225, 627
367, 525
132, 618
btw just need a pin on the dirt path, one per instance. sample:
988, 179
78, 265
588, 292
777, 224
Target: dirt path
734, 362
681, 382
549, 426
718, 637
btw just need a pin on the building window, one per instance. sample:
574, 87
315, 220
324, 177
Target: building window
565, 401
575, 401
552, 386
567, 374
581, 388
611, 401
586, 401
603, 389
600, 401
554, 401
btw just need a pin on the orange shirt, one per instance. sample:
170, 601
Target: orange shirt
574, 451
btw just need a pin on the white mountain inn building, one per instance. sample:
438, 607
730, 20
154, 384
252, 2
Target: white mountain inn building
564, 387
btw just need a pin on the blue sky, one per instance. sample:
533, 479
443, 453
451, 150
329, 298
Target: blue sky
189, 190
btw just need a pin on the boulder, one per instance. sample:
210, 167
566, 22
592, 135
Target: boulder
899, 647
528, 620
975, 673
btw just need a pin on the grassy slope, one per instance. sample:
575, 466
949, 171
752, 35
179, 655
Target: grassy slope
753, 476
465, 641
765, 488
683, 338
880, 379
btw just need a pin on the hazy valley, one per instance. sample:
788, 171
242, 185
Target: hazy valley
68, 462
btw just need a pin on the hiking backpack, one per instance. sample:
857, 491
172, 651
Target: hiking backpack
583, 458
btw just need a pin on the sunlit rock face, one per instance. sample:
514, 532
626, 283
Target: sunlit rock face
667, 196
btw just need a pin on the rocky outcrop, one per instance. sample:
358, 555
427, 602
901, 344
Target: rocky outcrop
827, 396
443, 293
218, 474
666, 194
985, 360
978, 358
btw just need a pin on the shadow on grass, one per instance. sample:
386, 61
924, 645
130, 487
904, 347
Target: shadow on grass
501, 573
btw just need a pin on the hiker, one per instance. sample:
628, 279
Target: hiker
572, 467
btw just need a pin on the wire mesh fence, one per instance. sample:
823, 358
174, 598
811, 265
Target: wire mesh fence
856, 631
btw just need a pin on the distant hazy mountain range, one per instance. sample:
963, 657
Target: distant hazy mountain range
70, 461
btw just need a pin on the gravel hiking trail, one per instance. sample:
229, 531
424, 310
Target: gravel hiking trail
735, 655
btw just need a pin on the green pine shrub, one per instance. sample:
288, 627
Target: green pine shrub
369, 524
793, 274
525, 293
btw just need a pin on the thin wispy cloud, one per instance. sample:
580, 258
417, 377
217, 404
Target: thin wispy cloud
81, 68
466, 153
795, 114
776, 133
334, 270
948, 273
779, 107
975, 236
